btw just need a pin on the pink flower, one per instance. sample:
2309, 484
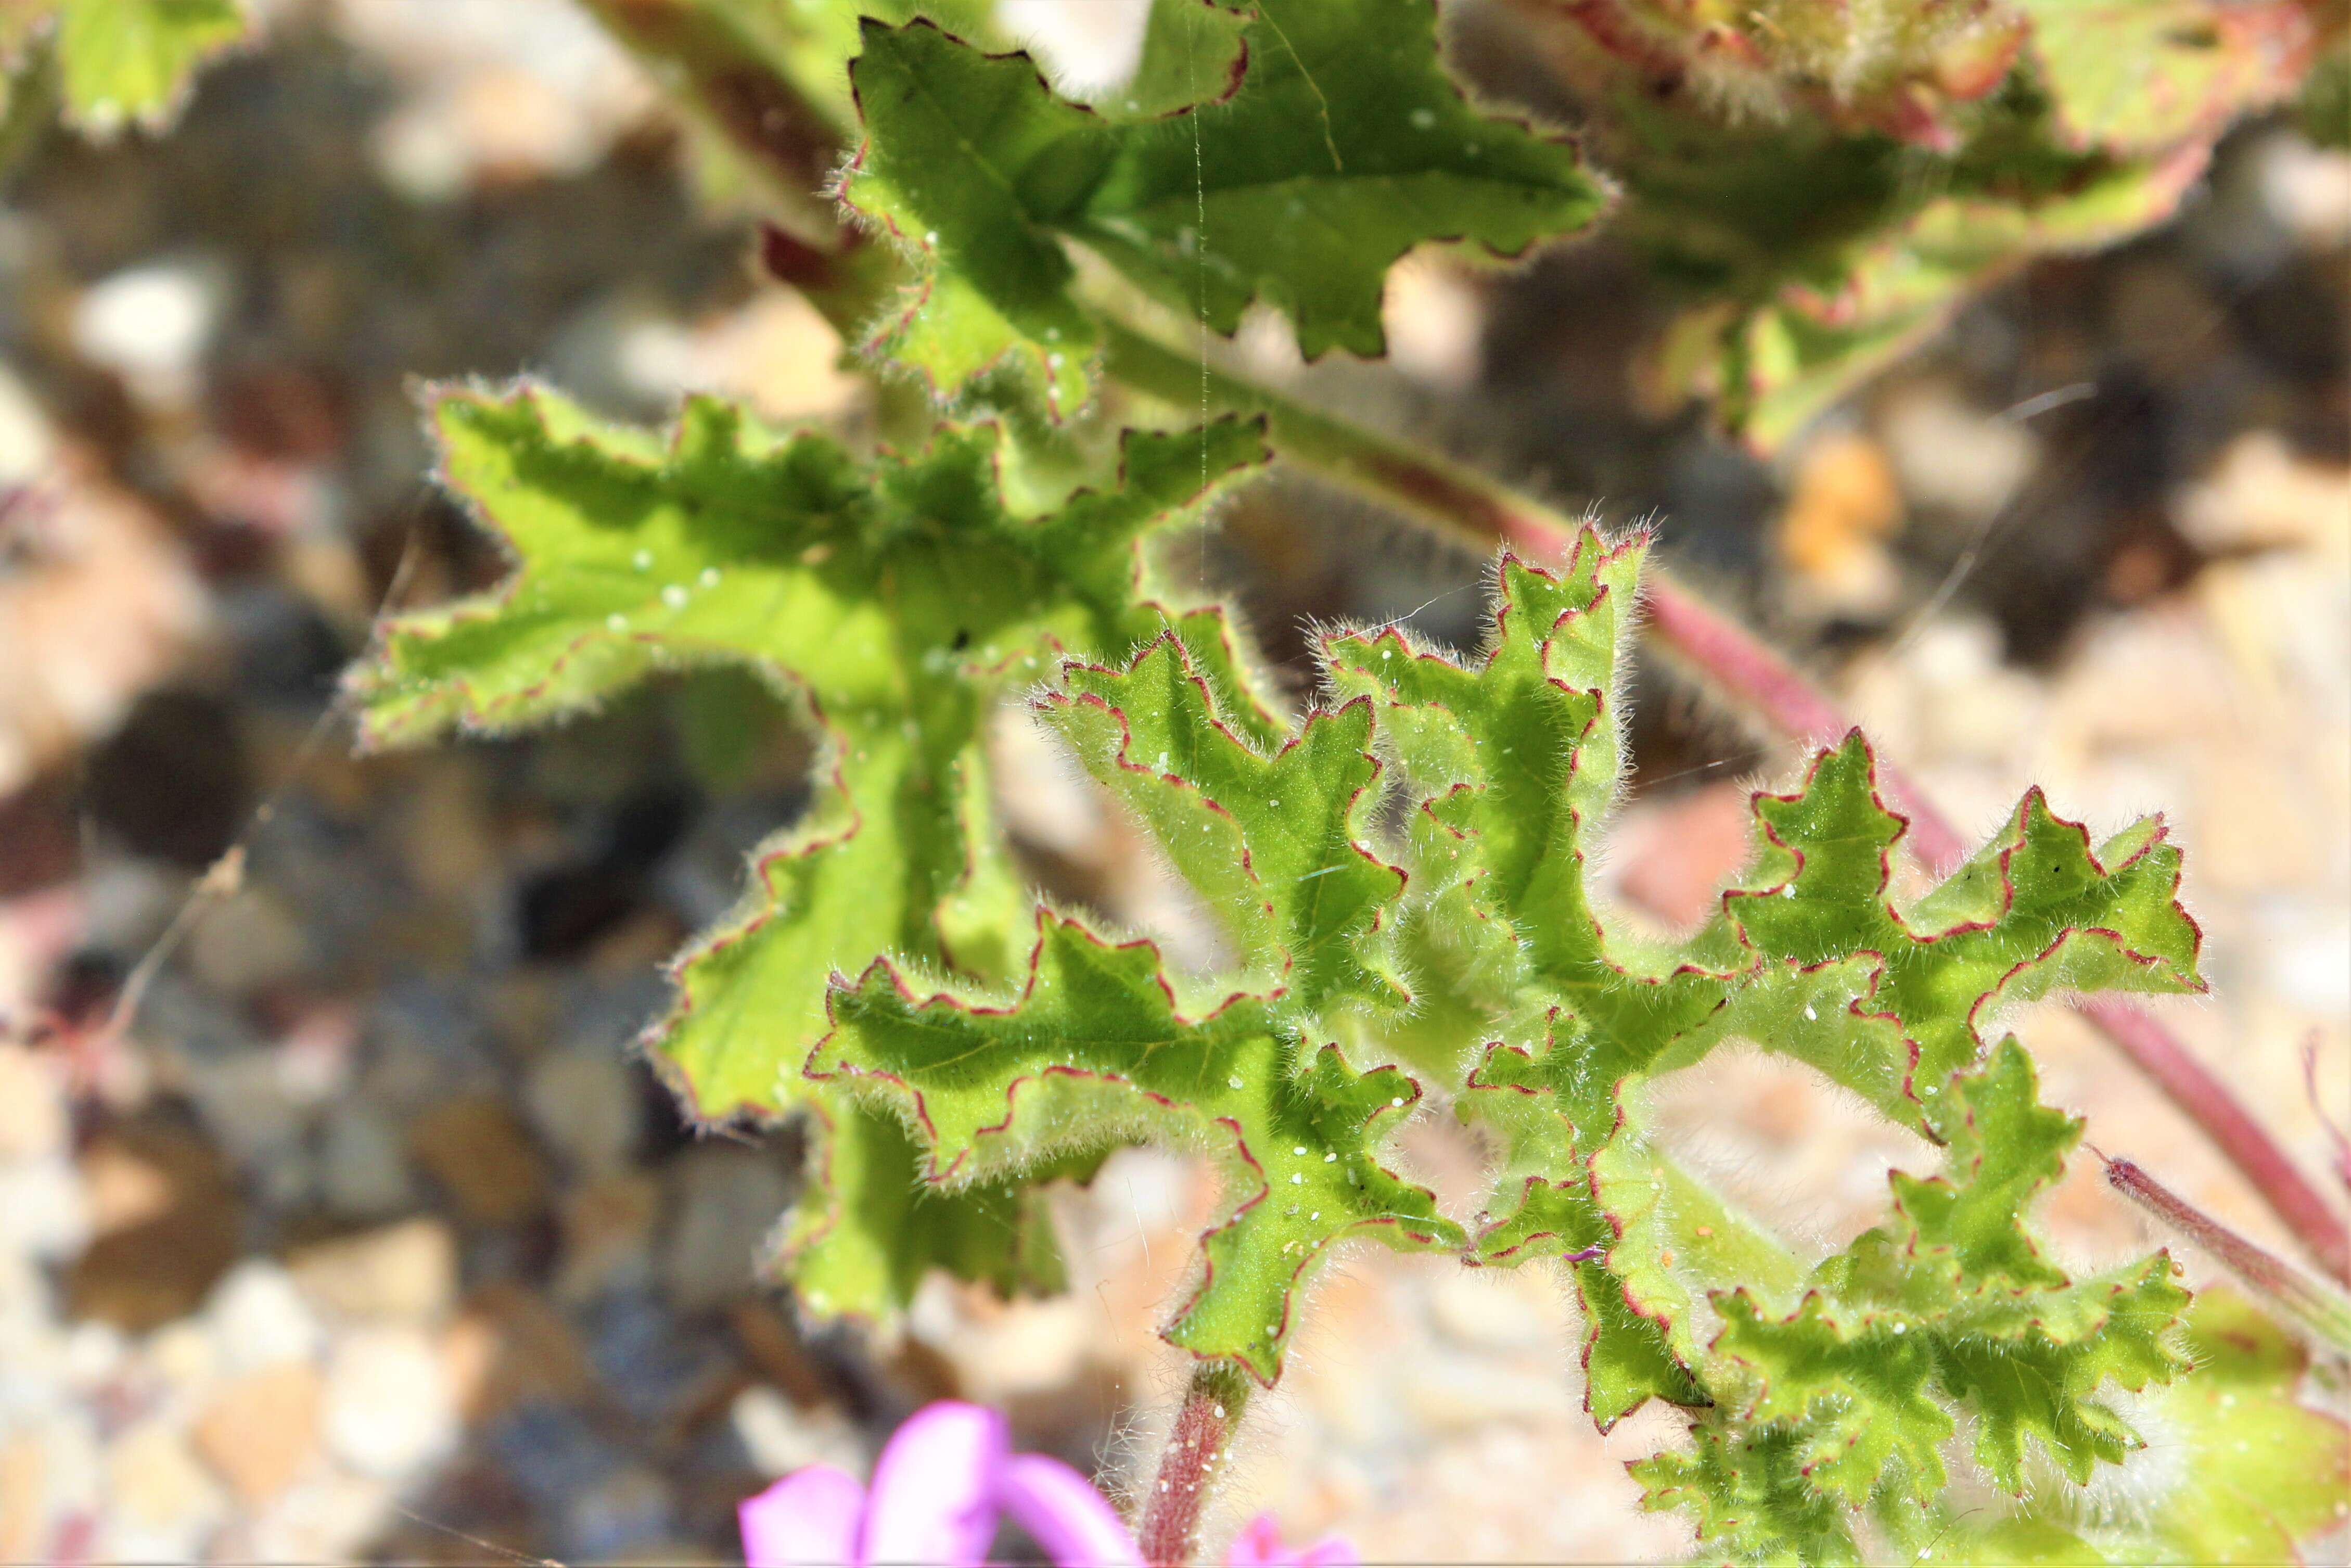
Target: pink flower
942, 1483
1260, 1546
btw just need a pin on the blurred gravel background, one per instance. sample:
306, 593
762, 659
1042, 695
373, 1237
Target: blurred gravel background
369, 1236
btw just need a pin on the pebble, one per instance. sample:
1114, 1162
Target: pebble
482, 1157
1502, 1310
171, 1227
725, 1201
363, 1162
259, 1318
148, 324
161, 1503
779, 1437
43, 1211
608, 1231
388, 1409
326, 1518
34, 1123
584, 1103
511, 1348
24, 1497
261, 1430
400, 1273
247, 944
184, 1358
626, 1515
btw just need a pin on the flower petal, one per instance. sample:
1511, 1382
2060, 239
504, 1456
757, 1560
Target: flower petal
1259, 1545
808, 1519
934, 1499
1064, 1514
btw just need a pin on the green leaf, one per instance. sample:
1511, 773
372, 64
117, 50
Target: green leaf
1512, 760
1192, 52
1752, 1500
1103, 1039
128, 61
1340, 147
891, 603
2251, 1467
1097, 1046
1951, 1305
2037, 910
1273, 843
2142, 75
869, 1228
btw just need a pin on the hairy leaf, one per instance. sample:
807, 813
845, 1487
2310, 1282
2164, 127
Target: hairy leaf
1853, 1396
1515, 758
1341, 145
892, 602
1103, 1040
2137, 75
128, 61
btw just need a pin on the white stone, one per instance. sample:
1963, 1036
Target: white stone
43, 1209
1959, 458
325, 1520
779, 1437
258, 1318
93, 1354
148, 324
161, 1501
389, 1410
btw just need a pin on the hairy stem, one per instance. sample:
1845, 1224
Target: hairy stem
1197, 1446
1730, 661
2319, 1310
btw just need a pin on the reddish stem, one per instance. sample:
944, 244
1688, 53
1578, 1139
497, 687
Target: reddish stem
1736, 662
2191, 1086
2318, 1308
1196, 1447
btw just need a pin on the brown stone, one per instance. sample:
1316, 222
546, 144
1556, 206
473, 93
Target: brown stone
483, 1157
774, 1347
167, 1214
260, 1431
509, 1346
608, 1225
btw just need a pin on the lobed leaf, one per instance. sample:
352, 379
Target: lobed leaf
890, 601
1339, 145
1950, 1306
1103, 1042
127, 62
1096, 1047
